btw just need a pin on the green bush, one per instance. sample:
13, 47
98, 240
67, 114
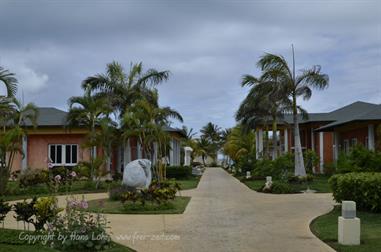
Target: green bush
278, 187
359, 159
4, 209
279, 168
311, 160
362, 187
178, 172
117, 192
31, 177
329, 169
298, 179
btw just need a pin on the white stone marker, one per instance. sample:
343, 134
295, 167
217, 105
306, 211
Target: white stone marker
349, 224
269, 179
248, 174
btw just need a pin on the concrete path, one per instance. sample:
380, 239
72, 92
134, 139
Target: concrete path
225, 215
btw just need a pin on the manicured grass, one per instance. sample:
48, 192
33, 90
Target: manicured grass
325, 227
78, 187
176, 206
10, 241
189, 183
320, 184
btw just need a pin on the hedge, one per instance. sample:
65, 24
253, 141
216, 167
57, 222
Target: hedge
179, 172
362, 187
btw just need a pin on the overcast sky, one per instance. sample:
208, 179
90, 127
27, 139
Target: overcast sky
207, 46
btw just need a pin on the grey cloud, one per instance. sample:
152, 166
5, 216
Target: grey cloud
207, 45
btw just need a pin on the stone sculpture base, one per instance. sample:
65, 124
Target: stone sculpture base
349, 231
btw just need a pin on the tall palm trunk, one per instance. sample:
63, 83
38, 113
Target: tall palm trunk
299, 162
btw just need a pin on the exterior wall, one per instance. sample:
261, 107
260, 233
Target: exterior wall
360, 134
328, 147
38, 148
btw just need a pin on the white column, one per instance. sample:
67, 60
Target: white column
312, 139
259, 143
321, 149
285, 140
336, 145
371, 137
94, 151
24, 162
171, 152
139, 150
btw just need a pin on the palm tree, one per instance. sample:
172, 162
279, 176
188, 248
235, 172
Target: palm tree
124, 89
295, 86
145, 120
239, 144
9, 80
11, 138
88, 111
212, 133
254, 111
202, 148
266, 98
188, 133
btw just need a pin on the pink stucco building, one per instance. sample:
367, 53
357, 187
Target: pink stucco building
51, 143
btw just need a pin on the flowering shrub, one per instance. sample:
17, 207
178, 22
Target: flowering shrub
31, 177
83, 231
157, 192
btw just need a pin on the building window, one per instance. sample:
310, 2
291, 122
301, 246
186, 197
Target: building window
346, 146
353, 142
63, 154
366, 143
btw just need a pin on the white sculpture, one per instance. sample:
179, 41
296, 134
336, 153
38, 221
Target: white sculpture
137, 174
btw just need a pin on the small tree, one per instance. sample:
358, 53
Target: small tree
12, 135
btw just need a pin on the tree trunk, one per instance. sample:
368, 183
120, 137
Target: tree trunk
299, 162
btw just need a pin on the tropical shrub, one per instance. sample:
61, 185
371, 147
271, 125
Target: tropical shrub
298, 179
31, 177
4, 209
25, 211
83, 171
117, 192
311, 160
46, 209
279, 168
362, 187
85, 231
359, 159
277, 187
329, 169
178, 172
158, 193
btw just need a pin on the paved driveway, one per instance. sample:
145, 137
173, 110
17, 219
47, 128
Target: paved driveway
225, 215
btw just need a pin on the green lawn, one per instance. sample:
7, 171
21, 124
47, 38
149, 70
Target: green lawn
189, 183
325, 227
176, 206
320, 184
10, 242
79, 187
